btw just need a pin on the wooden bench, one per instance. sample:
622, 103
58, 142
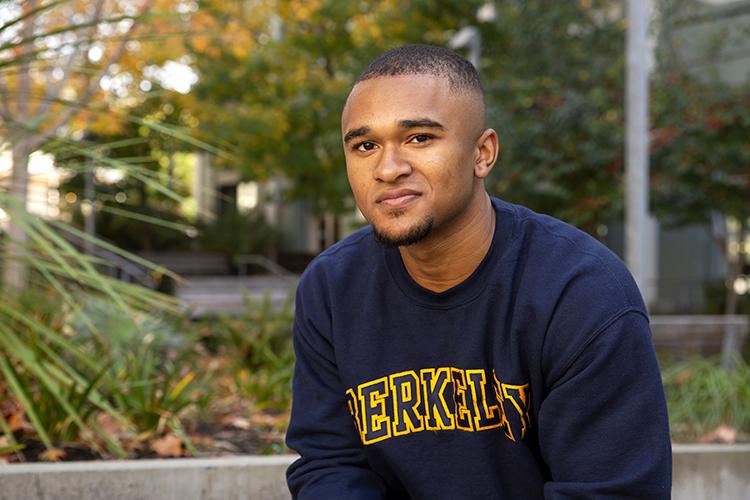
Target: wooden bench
699, 334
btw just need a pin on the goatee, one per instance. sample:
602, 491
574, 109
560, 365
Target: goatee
414, 235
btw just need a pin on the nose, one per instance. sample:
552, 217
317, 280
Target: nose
391, 166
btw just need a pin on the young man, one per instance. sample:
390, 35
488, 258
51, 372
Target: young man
460, 346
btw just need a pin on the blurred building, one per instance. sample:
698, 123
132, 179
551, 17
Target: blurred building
713, 41
44, 198
303, 234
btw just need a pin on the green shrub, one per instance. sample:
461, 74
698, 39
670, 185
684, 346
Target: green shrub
151, 366
701, 396
258, 344
234, 233
54, 383
70, 366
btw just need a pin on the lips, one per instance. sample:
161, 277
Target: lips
397, 198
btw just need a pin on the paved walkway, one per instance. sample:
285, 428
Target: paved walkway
206, 295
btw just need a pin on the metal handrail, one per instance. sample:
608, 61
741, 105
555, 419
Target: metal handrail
116, 265
243, 260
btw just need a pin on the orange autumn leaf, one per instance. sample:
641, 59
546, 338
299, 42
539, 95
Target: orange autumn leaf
167, 446
15, 421
200, 440
52, 455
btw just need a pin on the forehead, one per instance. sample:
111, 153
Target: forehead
388, 99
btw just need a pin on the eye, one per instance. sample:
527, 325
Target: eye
364, 146
420, 138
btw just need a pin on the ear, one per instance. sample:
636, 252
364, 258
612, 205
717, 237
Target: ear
485, 156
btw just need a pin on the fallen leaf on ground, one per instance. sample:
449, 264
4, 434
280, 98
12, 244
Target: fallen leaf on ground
200, 440
167, 446
722, 434
244, 377
235, 421
270, 420
16, 422
109, 424
683, 377
52, 455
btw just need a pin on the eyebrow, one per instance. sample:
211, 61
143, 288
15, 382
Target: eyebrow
421, 123
357, 132
405, 124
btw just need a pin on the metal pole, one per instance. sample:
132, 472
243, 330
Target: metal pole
637, 229
468, 37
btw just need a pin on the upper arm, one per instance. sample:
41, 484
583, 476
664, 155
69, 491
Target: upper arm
603, 426
321, 430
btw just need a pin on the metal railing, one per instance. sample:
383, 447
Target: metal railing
245, 260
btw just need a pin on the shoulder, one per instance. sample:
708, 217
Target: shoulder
545, 233
567, 260
344, 261
573, 285
334, 272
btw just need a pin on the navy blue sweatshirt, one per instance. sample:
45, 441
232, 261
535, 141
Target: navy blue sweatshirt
533, 378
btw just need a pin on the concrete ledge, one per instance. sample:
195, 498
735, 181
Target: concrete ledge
225, 478
711, 471
701, 472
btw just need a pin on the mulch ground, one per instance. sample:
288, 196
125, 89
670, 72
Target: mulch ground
262, 434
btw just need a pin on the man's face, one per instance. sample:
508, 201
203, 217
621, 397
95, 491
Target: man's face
411, 146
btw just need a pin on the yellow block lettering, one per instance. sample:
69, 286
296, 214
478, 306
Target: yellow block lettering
462, 399
406, 398
437, 414
485, 416
372, 399
520, 398
351, 402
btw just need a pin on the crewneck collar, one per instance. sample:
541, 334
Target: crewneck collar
471, 287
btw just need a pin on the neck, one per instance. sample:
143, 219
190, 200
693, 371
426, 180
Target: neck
448, 257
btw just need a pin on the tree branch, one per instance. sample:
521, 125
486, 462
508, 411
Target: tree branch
94, 82
53, 91
24, 78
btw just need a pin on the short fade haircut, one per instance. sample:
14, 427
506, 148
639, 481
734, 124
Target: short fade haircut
419, 59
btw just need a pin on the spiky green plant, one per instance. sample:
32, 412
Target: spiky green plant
57, 379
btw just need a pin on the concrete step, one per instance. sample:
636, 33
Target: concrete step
208, 295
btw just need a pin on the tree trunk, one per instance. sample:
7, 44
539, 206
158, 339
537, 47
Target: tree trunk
15, 271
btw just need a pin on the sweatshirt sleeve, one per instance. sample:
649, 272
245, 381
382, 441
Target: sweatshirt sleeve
321, 430
603, 426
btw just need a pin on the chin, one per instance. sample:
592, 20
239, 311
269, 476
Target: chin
409, 236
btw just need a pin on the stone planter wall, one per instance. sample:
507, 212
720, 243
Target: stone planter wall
249, 477
701, 472
711, 472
